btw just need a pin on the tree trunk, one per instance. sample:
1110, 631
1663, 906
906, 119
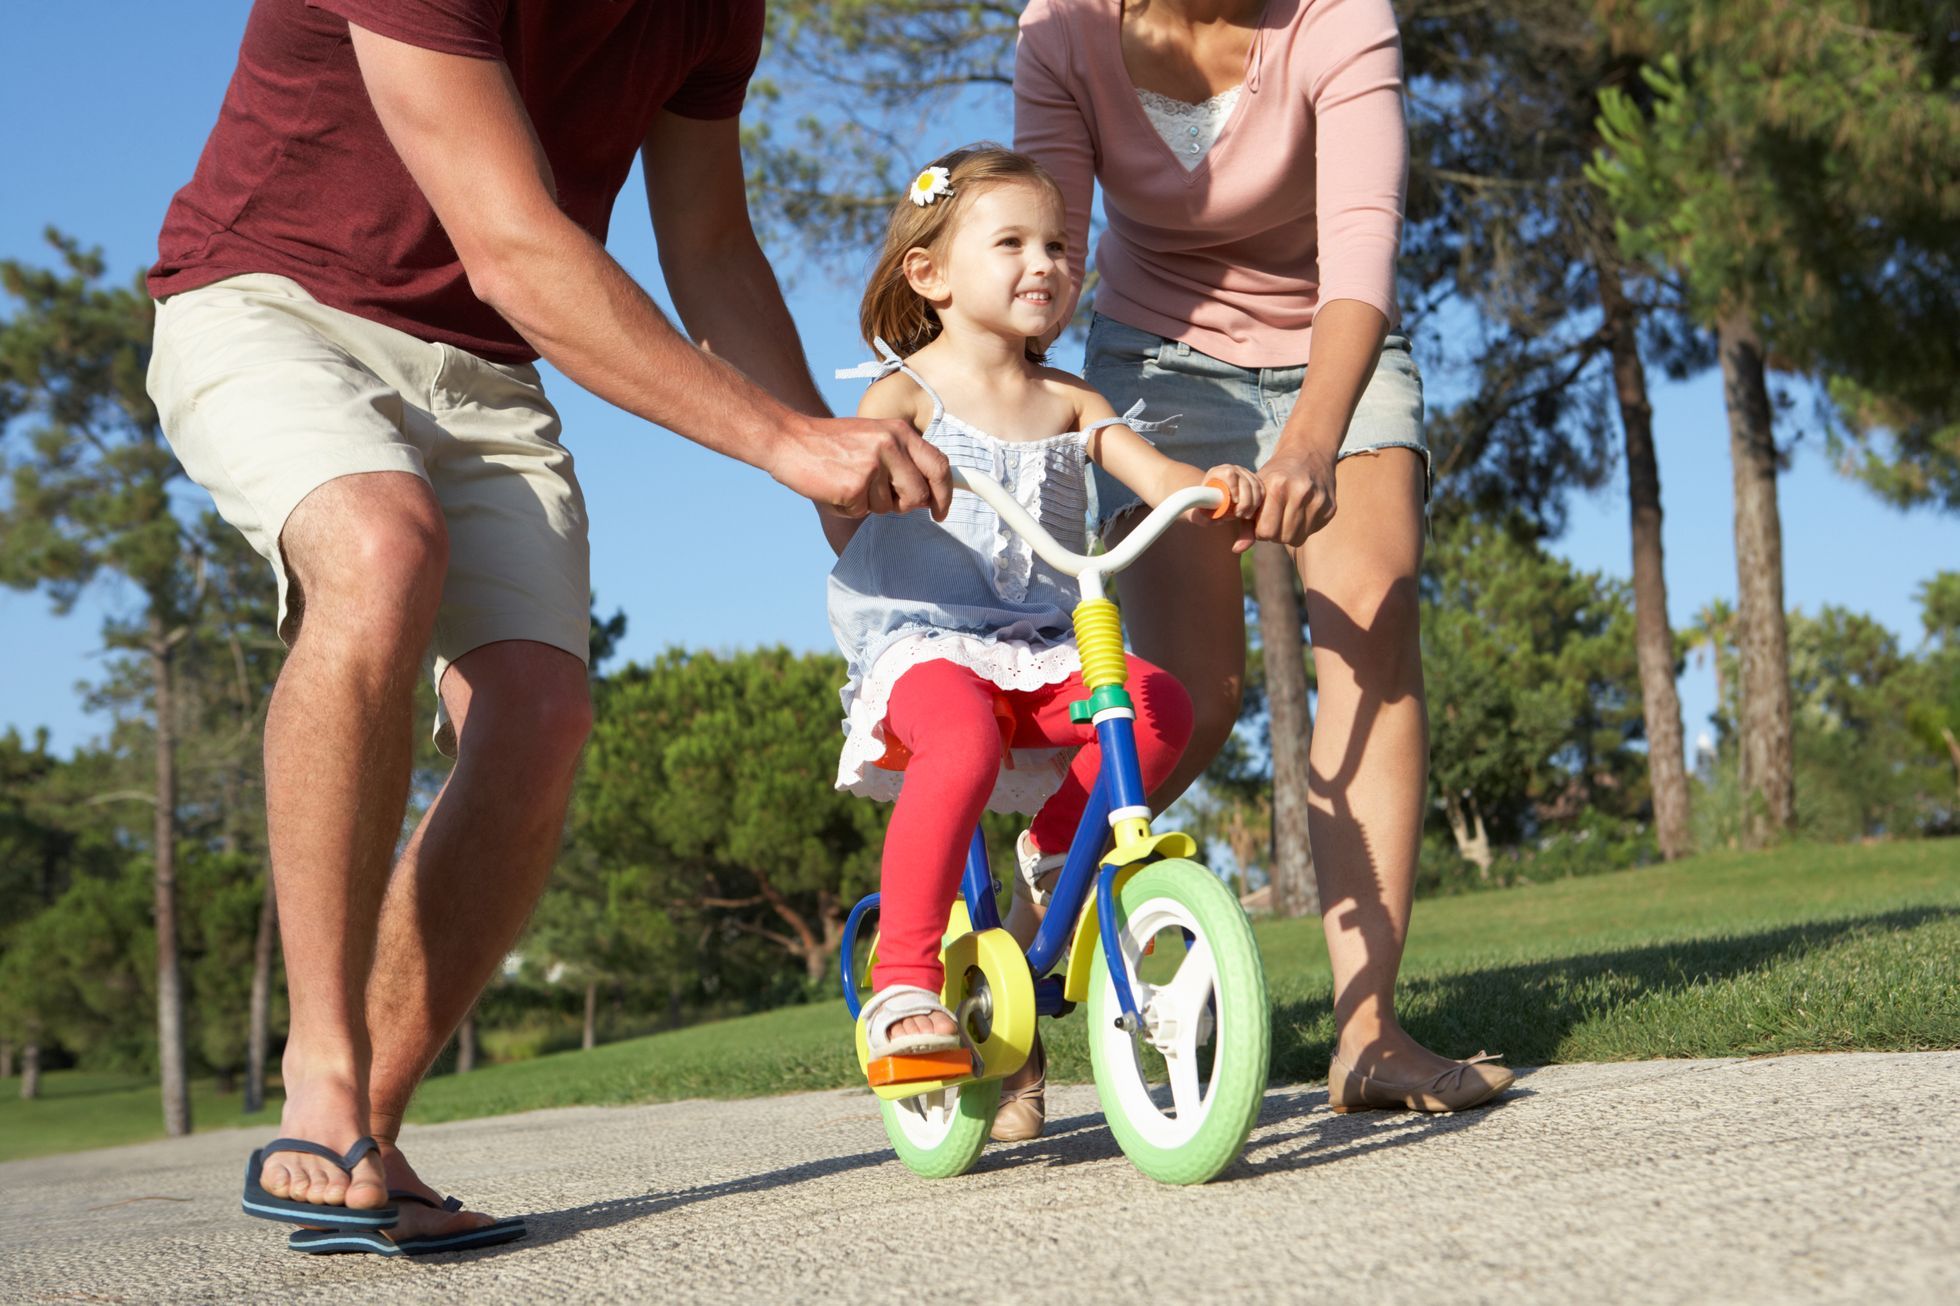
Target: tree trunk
1294, 890
30, 1072
1767, 763
258, 1037
1248, 833
1667, 768
1716, 646
674, 1012
466, 1044
590, 1039
1953, 751
1467, 828
170, 994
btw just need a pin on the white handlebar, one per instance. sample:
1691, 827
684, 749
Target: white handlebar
1090, 568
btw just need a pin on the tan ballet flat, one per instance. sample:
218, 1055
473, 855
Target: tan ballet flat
1023, 1101
1464, 1085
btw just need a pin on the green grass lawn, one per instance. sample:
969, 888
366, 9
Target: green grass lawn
1808, 949
79, 1108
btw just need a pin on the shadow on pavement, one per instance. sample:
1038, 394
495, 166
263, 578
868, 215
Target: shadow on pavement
1320, 1136
554, 1226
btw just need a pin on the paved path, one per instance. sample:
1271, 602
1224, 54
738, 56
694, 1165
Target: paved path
1796, 1179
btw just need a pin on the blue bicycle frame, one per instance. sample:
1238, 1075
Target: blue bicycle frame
1120, 773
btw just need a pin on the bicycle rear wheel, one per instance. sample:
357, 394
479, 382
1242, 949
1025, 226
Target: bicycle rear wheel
942, 1133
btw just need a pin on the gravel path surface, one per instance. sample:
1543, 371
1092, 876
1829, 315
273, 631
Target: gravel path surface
1794, 1179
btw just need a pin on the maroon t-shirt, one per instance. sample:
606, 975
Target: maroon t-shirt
299, 179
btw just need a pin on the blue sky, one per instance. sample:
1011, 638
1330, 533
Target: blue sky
107, 103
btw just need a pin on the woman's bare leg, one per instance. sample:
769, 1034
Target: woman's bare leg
1184, 608
1370, 752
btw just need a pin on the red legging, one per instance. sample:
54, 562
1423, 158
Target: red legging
944, 713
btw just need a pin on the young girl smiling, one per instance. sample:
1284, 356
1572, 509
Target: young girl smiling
958, 636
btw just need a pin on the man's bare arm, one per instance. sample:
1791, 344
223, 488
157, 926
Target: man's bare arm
463, 133
722, 285
721, 282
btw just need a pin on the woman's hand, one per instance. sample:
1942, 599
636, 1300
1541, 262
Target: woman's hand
1299, 489
1244, 495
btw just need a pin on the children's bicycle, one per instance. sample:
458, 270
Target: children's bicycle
1179, 1025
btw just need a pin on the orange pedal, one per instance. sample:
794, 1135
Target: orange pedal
919, 1067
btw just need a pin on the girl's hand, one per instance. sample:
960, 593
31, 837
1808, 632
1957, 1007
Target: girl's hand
1246, 494
1299, 486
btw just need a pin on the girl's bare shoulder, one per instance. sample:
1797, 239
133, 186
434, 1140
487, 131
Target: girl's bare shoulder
1084, 399
897, 395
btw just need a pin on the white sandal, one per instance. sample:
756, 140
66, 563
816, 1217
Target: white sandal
898, 1002
1034, 866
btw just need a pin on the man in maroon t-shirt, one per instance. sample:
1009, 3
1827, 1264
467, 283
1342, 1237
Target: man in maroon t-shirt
402, 206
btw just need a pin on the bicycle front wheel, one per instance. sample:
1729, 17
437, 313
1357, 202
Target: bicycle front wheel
1182, 1095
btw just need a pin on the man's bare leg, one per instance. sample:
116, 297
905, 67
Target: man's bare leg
367, 554
470, 875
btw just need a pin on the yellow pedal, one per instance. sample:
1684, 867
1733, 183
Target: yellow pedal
917, 1067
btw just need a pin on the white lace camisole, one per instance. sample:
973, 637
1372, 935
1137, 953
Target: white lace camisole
1189, 129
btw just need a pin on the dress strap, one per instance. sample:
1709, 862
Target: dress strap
1134, 419
884, 365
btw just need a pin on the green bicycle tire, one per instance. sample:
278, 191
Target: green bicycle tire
942, 1153
1184, 893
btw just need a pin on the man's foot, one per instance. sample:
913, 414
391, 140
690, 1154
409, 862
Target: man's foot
421, 1205
328, 1112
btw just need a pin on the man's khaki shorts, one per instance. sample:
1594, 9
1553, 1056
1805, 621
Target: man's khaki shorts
266, 394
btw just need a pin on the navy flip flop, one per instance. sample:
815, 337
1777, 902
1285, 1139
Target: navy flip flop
257, 1201
325, 1242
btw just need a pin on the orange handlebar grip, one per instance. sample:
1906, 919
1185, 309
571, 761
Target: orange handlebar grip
1224, 509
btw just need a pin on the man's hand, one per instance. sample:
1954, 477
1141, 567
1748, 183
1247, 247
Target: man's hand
1299, 494
857, 465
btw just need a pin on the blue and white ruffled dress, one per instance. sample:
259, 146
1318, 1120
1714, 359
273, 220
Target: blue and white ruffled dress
969, 590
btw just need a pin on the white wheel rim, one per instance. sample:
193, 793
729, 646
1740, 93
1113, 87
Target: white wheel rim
1175, 1024
925, 1120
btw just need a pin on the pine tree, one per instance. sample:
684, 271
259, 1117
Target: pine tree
1789, 164
1502, 107
91, 478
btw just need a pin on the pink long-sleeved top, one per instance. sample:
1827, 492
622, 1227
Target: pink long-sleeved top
1298, 203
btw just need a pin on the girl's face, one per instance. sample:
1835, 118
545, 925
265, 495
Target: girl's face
1006, 267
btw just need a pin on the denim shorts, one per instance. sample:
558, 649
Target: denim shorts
1230, 414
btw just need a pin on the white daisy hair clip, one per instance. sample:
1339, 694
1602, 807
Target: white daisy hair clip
930, 185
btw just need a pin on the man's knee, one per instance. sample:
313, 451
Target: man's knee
373, 545
524, 701
564, 721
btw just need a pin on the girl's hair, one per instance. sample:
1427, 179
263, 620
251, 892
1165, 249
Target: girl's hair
892, 310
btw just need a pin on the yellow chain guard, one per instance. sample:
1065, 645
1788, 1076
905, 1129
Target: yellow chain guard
1011, 1038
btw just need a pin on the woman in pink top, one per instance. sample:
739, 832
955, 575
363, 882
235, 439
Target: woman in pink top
1252, 156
